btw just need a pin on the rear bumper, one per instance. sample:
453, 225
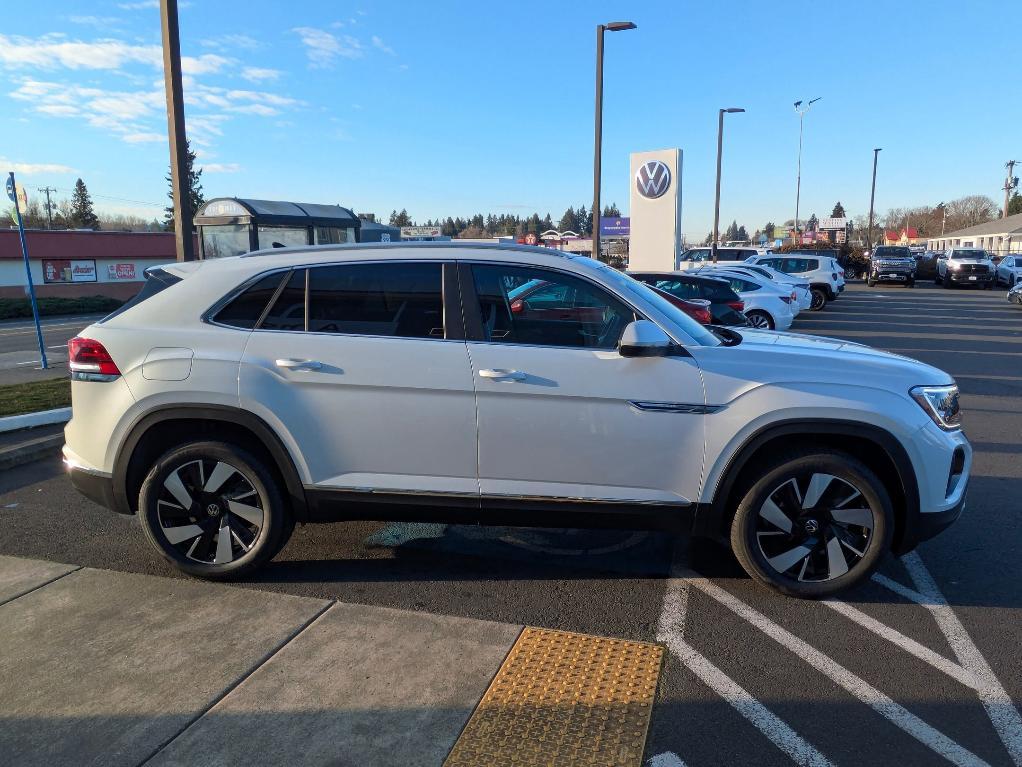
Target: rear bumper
97, 486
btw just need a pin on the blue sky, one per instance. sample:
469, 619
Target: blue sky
452, 108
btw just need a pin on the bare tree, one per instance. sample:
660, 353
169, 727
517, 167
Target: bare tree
969, 211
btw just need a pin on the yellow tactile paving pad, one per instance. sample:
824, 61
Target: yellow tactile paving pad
564, 700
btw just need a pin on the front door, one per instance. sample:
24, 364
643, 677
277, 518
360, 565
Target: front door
562, 415
359, 372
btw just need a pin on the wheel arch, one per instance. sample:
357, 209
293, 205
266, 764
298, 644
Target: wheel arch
155, 431
877, 448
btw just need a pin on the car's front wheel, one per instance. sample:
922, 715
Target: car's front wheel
213, 510
761, 320
815, 523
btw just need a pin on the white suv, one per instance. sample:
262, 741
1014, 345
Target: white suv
826, 277
236, 397
768, 306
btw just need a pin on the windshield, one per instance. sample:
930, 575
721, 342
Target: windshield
886, 252
980, 254
629, 286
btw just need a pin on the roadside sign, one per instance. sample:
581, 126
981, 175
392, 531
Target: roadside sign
419, 232
10, 188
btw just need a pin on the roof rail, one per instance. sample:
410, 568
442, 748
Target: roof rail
447, 244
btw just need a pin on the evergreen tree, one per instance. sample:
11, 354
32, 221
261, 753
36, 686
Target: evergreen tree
768, 230
82, 214
193, 187
813, 223
585, 221
569, 221
611, 211
1015, 204
742, 234
839, 210
731, 233
548, 223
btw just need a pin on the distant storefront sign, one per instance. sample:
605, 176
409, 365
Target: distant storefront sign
832, 223
419, 232
69, 271
620, 226
120, 271
532, 238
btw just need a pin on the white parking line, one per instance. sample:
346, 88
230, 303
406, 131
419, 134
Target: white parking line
894, 712
999, 707
671, 631
666, 759
909, 645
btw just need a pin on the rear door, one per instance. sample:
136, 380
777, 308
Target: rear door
364, 371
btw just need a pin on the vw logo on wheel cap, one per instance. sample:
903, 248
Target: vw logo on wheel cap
653, 179
213, 510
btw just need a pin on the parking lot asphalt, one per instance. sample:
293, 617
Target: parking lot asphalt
919, 665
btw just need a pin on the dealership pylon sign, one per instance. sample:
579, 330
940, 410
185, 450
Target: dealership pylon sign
655, 208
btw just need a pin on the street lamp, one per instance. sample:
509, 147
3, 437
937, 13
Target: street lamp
716, 201
798, 183
872, 193
614, 26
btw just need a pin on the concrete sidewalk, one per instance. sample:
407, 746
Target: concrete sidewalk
103, 667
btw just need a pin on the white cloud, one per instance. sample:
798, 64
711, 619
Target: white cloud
205, 64
378, 43
139, 5
53, 51
95, 21
143, 138
259, 74
255, 109
323, 48
30, 168
221, 167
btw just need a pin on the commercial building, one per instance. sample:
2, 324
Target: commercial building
999, 237
75, 263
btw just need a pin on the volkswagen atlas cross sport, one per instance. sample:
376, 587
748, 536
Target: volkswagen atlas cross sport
234, 398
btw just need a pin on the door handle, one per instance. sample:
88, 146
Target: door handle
501, 374
290, 363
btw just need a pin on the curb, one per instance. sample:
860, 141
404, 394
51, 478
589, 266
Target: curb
32, 450
31, 420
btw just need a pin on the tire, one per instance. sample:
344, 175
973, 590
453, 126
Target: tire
828, 547
760, 320
819, 299
988, 286
936, 279
910, 284
870, 282
206, 488
947, 284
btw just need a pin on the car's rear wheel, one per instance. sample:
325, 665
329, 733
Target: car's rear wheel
213, 510
816, 523
819, 300
760, 319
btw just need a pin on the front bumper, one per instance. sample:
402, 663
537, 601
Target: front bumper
964, 278
894, 276
933, 523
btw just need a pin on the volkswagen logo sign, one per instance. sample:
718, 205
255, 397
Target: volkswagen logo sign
653, 179
213, 510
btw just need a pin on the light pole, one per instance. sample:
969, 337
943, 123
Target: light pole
614, 26
798, 180
716, 199
872, 194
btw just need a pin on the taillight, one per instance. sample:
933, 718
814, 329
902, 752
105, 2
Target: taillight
794, 296
738, 306
702, 316
90, 361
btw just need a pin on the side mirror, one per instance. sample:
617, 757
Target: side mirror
643, 338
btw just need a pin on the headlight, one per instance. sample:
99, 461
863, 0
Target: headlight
941, 404
953, 267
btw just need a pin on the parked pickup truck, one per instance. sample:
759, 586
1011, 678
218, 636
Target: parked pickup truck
891, 263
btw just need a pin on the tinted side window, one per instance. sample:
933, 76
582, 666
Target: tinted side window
288, 311
245, 310
678, 289
403, 300
585, 316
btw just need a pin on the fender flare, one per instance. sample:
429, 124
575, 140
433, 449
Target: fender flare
711, 516
293, 487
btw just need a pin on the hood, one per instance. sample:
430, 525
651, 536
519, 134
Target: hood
766, 357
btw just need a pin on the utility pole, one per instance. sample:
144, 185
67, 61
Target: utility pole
716, 198
1010, 184
869, 231
49, 206
183, 212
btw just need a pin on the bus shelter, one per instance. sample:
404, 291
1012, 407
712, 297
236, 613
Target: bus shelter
230, 226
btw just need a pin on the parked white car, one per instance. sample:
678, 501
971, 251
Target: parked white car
1009, 271
799, 286
695, 258
768, 306
972, 267
826, 278
235, 397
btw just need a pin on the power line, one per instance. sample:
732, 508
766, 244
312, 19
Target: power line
49, 205
116, 199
